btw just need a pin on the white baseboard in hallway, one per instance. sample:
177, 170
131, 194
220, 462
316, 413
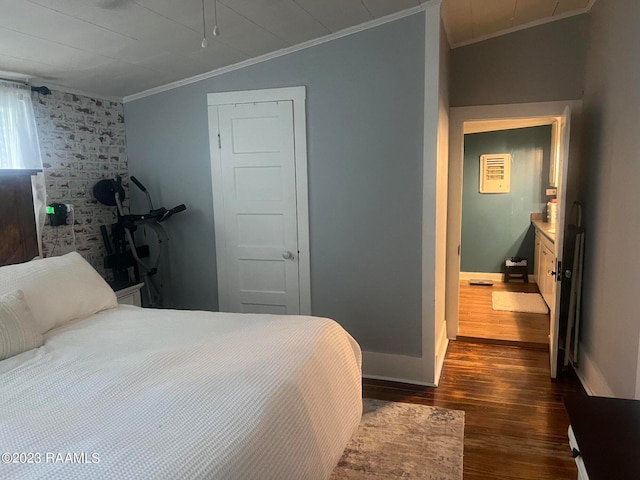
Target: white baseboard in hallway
591, 377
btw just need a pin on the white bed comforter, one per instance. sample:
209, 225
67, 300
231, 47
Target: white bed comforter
133, 393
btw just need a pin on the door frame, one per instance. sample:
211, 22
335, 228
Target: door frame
523, 114
297, 95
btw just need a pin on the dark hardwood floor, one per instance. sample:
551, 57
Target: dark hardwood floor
515, 421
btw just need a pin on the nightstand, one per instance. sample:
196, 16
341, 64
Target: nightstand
604, 436
130, 295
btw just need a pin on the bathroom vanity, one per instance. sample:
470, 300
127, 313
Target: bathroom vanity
544, 261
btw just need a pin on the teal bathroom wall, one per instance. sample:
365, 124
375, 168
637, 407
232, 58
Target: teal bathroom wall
497, 226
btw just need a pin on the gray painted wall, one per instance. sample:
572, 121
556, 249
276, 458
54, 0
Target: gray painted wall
497, 226
611, 326
543, 63
365, 98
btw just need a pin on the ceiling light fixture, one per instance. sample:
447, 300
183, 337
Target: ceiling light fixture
216, 30
204, 29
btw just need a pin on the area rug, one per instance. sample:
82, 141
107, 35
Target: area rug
519, 302
402, 440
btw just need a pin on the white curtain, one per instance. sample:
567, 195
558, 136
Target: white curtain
19, 147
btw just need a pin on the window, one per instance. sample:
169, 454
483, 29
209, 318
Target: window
19, 147
20, 150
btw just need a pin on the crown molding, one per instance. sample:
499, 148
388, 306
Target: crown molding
428, 5
31, 81
14, 77
524, 26
61, 88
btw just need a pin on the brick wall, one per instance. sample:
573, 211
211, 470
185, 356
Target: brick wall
82, 140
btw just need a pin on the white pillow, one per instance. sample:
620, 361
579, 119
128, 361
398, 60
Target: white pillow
18, 329
58, 289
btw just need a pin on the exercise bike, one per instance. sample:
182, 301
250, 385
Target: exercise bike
124, 253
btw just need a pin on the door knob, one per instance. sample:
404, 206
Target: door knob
287, 255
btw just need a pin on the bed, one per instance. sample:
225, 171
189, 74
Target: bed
125, 392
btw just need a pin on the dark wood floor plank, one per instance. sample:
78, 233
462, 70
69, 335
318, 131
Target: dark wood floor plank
515, 421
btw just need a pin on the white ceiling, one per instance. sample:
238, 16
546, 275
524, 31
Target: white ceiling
469, 21
116, 48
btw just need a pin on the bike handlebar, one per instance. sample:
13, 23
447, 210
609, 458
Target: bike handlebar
138, 184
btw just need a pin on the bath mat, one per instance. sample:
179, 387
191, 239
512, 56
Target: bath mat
519, 302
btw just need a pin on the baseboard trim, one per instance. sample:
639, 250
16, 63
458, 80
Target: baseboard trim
394, 368
399, 380
441, 352
495, 277
591, 377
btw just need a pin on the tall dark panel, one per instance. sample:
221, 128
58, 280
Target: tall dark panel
18, 238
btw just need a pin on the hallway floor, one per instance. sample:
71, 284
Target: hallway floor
477, 318
515, 421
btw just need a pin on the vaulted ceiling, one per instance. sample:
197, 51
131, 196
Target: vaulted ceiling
468, 21
115, 48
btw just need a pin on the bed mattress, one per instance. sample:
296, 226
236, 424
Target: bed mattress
134, 393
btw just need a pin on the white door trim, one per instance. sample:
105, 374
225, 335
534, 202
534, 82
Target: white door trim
486, 118
457, 118
298, 96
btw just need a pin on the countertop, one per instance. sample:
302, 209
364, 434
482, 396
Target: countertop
544, 228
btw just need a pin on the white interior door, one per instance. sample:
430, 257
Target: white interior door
258, 264
564, 128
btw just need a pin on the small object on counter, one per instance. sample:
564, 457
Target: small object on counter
552, 210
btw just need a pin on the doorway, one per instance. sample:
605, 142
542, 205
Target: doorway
497, 204
258, 164
498, 117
